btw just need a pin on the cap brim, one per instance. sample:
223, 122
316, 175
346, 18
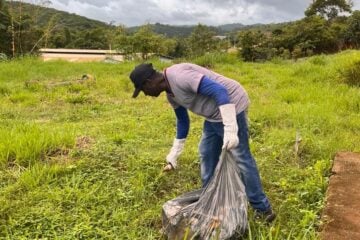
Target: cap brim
136, 92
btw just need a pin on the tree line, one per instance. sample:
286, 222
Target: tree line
328, 26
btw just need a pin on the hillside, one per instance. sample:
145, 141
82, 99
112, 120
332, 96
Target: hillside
169, 30
184, 31
74, 22
43, 15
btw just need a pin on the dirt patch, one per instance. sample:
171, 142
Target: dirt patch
84, 142
63, 156
342, 213
58, 156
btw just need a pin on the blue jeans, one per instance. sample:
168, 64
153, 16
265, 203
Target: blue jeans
210, 150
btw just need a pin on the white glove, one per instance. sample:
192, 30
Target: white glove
175, 151
228, 114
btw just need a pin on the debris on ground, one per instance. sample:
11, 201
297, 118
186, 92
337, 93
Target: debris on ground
86, 79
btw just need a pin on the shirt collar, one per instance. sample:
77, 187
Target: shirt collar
168, 84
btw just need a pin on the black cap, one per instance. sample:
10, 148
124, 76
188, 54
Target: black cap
139, 75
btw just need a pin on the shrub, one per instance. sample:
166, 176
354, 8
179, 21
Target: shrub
296, 53
351, 74
209, 60
3, 57
286, 54
319, 60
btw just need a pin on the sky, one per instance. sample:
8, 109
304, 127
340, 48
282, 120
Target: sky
186, 12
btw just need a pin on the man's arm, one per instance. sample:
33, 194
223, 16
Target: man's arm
182, 130
182, 122
209, 87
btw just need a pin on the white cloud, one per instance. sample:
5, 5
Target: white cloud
187, 12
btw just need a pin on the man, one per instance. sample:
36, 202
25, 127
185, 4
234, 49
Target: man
223, 102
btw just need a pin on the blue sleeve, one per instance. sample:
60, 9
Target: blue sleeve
183, 122
215, 90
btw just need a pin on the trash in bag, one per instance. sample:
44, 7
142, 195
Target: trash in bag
175, 215
216, 212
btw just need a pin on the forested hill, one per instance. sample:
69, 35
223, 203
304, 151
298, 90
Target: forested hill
173, 31
169, 30
185, 30
45, 15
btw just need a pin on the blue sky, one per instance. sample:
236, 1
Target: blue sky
186, 12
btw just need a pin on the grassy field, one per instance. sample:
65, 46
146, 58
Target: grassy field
83, 161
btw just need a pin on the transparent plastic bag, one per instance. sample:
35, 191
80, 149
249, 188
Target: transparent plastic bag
175, 215
221, 208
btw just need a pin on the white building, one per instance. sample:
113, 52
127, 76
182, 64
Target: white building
80, 55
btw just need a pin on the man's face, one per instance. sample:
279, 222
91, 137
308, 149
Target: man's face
151, 88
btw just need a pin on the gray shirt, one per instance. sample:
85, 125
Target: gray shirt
184, 80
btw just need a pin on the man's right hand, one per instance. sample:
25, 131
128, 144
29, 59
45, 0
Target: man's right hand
168, 167
175, 151
228, 114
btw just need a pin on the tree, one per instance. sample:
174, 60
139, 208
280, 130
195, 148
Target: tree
309, 34
253, 46
51, 25
92, 39
337, 29
59, 38
329, 9
5, 35
29, 35
353, 31
167, 46
181, 48
146, 42
111, 35
123, 43
201, 40
25, 33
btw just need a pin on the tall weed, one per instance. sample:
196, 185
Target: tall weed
26, 143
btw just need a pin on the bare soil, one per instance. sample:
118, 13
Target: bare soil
342, 212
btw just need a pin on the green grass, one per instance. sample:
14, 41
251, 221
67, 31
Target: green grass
83, 161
